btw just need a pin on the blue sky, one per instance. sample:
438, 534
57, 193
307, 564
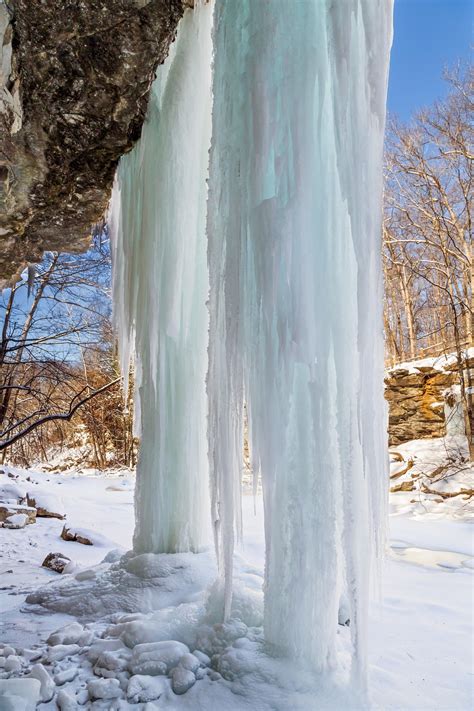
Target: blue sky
428, 35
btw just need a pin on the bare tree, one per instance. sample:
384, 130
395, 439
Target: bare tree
57, 361
428, 234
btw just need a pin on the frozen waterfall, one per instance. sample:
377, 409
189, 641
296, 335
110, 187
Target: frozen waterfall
294, 226
295, 301
160, 291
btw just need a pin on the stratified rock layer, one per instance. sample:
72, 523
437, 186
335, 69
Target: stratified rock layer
416, 393
74, 82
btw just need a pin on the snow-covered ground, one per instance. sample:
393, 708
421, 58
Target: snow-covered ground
420, 626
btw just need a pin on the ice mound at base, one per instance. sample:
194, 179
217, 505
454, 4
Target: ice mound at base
174, 653
134, 583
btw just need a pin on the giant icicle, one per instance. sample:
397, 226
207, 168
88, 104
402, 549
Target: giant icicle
295, 300
294, 229
160, 291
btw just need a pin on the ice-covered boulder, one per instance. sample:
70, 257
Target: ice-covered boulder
111, 662
19, 694
56, 561
104, 645
12, 663
156, 658
17, 520
190, 662
104, 689
47, 685
204, 660
65, 676
142, 689
6, 650
69, 634
61, 651
182, 680
66, 702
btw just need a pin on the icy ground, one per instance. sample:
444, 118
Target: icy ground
420, 628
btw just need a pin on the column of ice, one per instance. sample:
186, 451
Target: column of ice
294, 224
160, 291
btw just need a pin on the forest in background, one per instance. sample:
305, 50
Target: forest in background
59, 374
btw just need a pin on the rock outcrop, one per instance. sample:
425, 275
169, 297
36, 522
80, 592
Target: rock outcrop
75, 76
417, 397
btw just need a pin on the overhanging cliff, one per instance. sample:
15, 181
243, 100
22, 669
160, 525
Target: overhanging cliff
74, 82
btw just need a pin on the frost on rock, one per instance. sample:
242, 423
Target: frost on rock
294, 225
156, 658
182, 680
69, 634
66, 702
141, 688
104, 689
158, 219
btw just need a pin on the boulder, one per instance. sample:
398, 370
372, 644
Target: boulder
9, 510
182, 680
155, 658
142, 689
19, 694
46, 505
17, 520
79, 536
65, 701
104, 689
48, 686
56, 561
69, 634
12, 663
60, 652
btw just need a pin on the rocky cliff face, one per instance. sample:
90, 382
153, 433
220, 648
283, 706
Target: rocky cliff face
74, 82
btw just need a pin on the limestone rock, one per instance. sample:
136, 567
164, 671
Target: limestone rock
8, 510
46, 505
17, 520
56, 562
416, 401
69, 534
